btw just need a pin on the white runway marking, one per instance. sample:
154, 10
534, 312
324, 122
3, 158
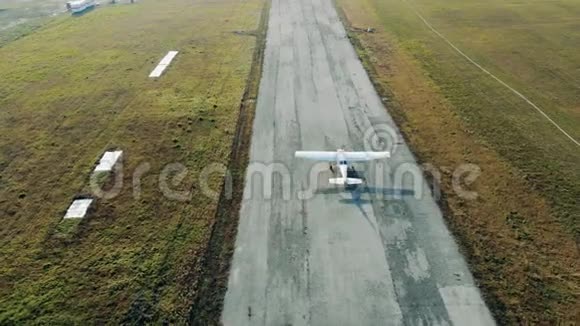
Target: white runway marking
108, 161
163, 64
523, 97
78, 208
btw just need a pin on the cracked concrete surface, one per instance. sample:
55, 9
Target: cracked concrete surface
344, 256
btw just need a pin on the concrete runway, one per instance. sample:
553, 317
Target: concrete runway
376, 255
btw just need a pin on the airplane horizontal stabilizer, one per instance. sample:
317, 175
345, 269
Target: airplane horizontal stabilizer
336, 181
353, 181
341, 181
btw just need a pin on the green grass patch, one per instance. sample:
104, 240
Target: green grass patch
79, 86
66, 228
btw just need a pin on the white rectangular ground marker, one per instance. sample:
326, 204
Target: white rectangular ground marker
108, 161
164, 63
78, 208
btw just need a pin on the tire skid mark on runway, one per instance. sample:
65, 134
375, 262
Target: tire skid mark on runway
353, 107
349, 138
417, 293
355, 102
287, 242
413, 289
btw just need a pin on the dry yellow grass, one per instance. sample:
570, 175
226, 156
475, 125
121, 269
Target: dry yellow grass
523, 257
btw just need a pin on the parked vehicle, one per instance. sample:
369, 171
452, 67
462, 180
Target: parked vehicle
80, 6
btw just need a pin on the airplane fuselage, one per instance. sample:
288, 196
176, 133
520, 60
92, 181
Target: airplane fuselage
342, 164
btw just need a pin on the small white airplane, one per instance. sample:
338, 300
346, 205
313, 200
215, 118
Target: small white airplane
342, 160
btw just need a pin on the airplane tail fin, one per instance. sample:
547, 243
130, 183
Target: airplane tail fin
348, 181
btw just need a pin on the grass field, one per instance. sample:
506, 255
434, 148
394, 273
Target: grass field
532, 46
79, 86
521, 234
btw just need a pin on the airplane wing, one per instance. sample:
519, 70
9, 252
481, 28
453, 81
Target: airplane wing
365, 156
348, 156
317, 156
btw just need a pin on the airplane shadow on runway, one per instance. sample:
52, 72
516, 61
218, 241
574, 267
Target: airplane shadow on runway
357, 191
